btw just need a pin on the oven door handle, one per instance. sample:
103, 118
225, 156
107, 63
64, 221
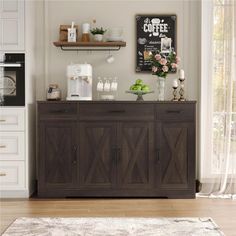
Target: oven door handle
10, 65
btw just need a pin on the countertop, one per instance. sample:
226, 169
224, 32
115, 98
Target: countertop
119, 101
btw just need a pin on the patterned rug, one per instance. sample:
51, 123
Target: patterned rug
113, 227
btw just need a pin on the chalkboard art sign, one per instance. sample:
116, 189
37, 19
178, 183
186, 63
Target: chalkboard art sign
154, 33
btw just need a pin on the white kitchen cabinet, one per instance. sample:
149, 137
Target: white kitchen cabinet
17, 124
12, 146
12, 119
12, 175
13, 158
12, 25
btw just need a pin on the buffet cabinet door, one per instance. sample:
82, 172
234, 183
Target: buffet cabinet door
175, 155
135, 155
97, 155
57, 154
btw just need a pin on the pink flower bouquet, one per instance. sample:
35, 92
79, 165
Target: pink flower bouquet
162, 64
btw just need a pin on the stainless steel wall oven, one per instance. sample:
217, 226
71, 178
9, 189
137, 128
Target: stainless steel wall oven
12, 79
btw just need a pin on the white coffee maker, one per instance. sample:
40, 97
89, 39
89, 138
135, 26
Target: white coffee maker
79, 82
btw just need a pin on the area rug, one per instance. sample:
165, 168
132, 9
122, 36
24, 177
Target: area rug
113, 227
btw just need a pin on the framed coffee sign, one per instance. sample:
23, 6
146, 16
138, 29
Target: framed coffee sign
154, 33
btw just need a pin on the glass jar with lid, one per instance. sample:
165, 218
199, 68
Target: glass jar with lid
53, 92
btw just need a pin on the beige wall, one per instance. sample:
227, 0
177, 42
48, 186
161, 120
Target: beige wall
52, 61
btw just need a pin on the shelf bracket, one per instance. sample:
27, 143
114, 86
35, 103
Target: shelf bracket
90, 49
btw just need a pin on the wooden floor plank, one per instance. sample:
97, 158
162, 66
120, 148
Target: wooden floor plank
222, 211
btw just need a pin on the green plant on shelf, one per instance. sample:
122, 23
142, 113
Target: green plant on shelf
96, 30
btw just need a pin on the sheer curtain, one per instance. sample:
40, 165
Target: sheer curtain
218, 101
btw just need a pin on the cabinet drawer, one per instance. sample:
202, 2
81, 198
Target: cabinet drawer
12, 146
12, 175
116, 111
12, 119
175, 112
57, 110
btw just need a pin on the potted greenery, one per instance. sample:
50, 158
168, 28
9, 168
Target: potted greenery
98, 34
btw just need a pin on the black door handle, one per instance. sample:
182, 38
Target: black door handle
75, 155
173, 111
118, 154
60, 111
114, 155
117, 111
157, 155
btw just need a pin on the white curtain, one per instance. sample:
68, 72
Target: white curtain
218, 159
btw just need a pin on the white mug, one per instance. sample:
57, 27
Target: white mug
110, 59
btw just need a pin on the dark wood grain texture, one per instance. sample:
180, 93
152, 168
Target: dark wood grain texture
96, 155
116, 149
57, 155
135, 155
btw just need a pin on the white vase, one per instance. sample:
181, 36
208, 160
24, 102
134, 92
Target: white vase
161, 88
98, 37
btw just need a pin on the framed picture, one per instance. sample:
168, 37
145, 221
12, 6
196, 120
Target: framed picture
154, 33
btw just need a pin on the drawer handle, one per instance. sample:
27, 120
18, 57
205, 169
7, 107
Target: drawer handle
173, 111
3, 174
2, 120
117, 111
3, 146
60, 111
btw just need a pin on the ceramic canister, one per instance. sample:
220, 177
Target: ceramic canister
86, 28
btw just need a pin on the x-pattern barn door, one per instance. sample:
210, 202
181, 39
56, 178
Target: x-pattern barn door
96, 154
58, 144
174, 155
134, 156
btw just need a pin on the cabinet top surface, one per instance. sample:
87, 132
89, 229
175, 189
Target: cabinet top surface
118, 101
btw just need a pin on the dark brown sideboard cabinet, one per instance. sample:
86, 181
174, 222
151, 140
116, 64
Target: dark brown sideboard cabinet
116, 149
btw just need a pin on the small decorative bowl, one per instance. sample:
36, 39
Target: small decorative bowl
139, 94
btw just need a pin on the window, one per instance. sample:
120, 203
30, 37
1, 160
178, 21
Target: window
218, 85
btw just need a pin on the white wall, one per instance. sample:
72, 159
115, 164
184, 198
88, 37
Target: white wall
31, 62
110, 13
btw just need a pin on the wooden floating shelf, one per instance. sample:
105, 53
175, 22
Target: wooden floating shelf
90, 46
